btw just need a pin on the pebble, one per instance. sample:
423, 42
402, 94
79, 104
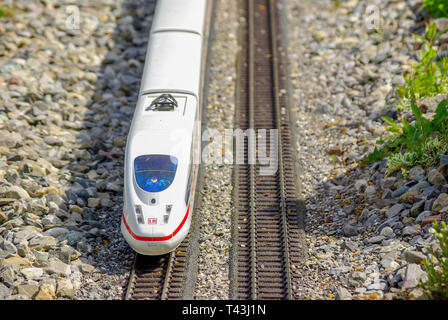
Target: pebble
394, 210
387, 232
343, 294
436, 178
414, 256
32, 273
412, 276
411, 230
58, 268
440, 203
422, 216
28, 291
4, 292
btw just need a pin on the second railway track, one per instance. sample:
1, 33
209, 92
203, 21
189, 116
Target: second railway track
267, 249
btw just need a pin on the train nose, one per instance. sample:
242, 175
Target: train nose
157, 239
150, 248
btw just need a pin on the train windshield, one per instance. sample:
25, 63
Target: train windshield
155, 172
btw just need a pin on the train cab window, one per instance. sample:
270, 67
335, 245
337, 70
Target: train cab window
155, 172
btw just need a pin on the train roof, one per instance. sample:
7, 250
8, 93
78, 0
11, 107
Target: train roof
179, 15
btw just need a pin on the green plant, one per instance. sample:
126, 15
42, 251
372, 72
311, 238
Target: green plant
418, 143
439, 8
427, 77
6, 11
436, 266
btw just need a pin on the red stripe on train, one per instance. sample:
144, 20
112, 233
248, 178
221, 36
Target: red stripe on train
157, 238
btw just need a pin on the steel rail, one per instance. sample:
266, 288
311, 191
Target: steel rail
251, 153
166, 281
276, 92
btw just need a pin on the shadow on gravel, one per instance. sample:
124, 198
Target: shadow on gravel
97, 175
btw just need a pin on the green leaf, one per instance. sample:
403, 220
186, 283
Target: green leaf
417, 112
421, 38
431, 32
375, 156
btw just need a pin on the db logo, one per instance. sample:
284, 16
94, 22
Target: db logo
152, 220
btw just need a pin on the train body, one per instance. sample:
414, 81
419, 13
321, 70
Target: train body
163, 144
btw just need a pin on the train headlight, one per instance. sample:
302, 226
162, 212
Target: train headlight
139, 214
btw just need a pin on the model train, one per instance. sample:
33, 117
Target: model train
163, 144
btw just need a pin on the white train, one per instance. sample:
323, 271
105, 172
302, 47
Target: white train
163, 144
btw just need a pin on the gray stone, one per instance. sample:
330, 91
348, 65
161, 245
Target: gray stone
422, 216
388, 183
389, 263
72, 237
44, 242
436, 178
56, 232
94, 202
65, 288
28, 291
23, 235
411, 230
428, 205
387, 194
10, 139
371, 192
8, 247
68, 254
343, 294
41, 256
394, 210
387, 232
375, 239
358, 276
107, 203
430, 104
408, 197
440, 203
14, 192
32, 168
84, 247
417, 208
58, 267
53, 141
405, 213
443, 159
416, 173
412, 276
4, 292
51, 220
414, 256
350, 229
32, 273
416, 294
382, 285
422, 185
360, 185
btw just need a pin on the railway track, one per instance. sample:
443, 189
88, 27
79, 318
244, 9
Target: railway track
159, 277
267, 221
